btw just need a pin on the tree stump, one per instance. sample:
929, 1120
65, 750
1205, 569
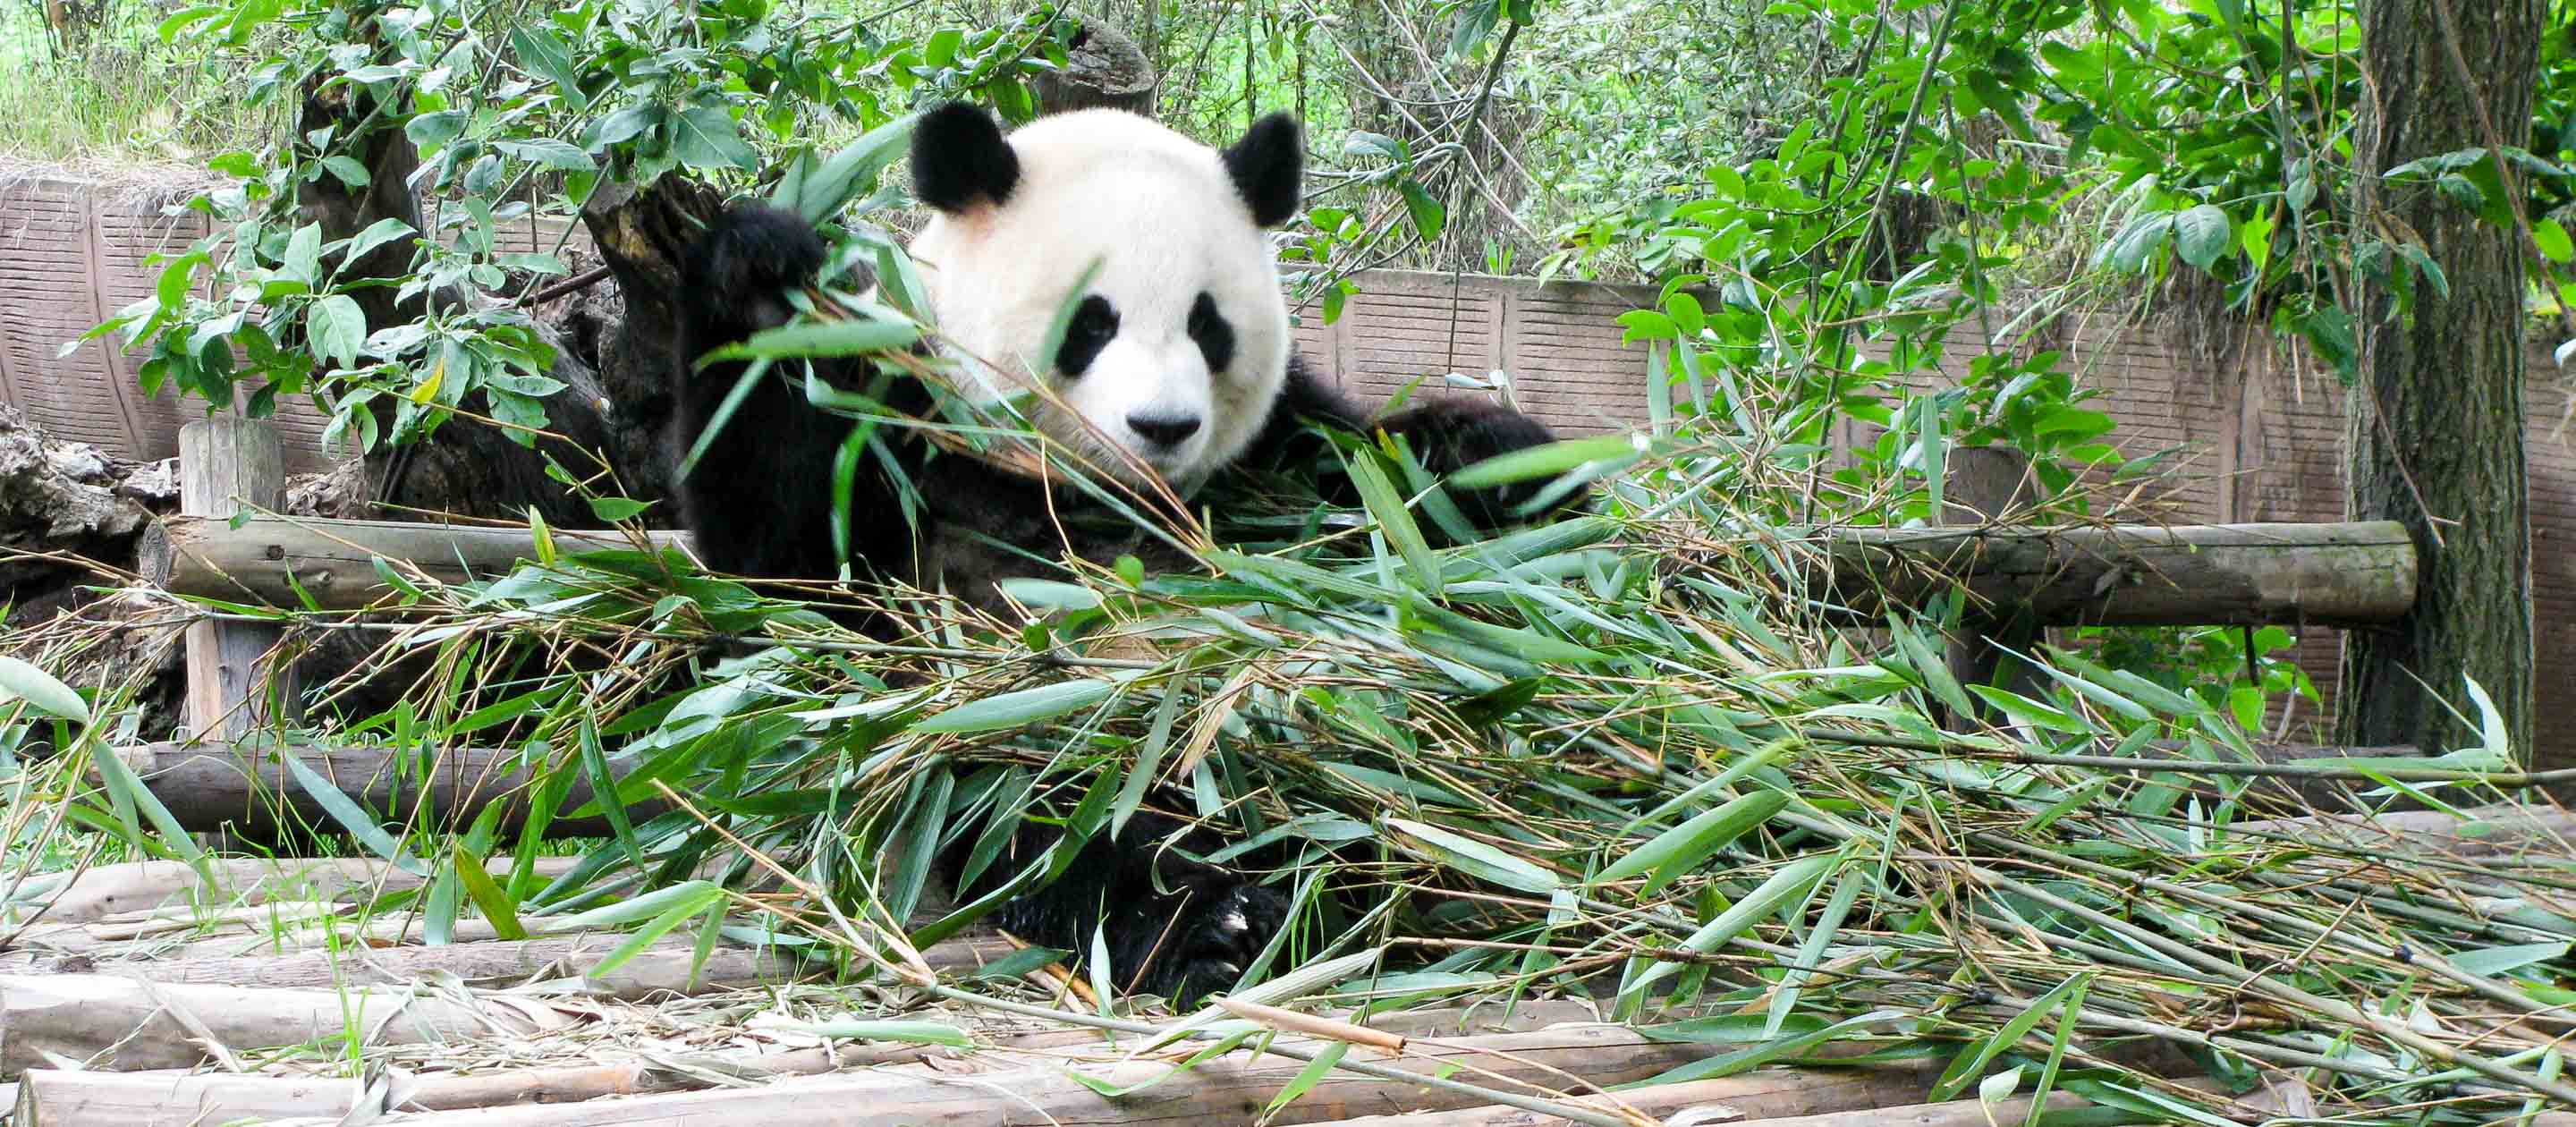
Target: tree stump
1104, 70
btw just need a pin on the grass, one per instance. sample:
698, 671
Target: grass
126, 97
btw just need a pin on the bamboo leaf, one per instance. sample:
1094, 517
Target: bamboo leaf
25, 682
1479, 860
1675, 851
1017, 709
1306, 1079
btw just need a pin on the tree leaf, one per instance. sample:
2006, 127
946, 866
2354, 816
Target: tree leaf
336, 327
2203, 235
708, 137
2552, 240
549, 153
377, 234
1429, 218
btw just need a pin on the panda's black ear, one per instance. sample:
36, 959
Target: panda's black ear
1269, 166
959, 159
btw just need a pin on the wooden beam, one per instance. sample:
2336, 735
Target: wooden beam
227, 462
2353, 574
334, 561
248, 786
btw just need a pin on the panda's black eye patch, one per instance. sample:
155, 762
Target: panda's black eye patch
1215, 336
1094, 323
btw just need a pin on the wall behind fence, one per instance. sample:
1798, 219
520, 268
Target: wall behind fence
2266, 433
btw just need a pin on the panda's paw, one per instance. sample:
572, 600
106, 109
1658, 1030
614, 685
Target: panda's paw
745, 263
1449, 435
1212, 943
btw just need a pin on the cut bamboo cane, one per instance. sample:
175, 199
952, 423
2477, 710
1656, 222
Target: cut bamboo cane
1233, 1089
334, 562
66, 1098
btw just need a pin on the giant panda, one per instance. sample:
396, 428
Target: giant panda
1178, 357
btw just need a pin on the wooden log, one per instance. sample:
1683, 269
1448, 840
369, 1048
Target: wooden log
207, 786
334, 561
111, 890
662, 969
2316, 574
149, 1024
1103, 68
127, 1024
1809, 1101
227, 462
1229, 1090
66, 1098
2351, 574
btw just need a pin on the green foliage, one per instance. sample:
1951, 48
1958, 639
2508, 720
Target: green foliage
508, 124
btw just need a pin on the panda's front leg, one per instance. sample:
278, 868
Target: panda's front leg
1446, 434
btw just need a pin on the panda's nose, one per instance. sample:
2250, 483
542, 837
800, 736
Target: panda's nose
1164, 431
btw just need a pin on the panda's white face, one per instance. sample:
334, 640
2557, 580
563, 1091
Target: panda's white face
1178, 345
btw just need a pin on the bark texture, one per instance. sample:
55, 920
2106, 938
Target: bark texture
2436, 431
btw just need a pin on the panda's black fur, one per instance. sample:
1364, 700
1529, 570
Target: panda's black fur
759, 504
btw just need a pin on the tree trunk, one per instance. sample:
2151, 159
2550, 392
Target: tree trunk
2436, 430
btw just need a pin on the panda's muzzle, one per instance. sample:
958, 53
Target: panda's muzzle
1164, 432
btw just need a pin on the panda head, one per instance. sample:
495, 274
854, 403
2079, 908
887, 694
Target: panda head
1179, 344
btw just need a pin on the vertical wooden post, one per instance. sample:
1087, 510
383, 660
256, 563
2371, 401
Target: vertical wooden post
1981, 484
225, 463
